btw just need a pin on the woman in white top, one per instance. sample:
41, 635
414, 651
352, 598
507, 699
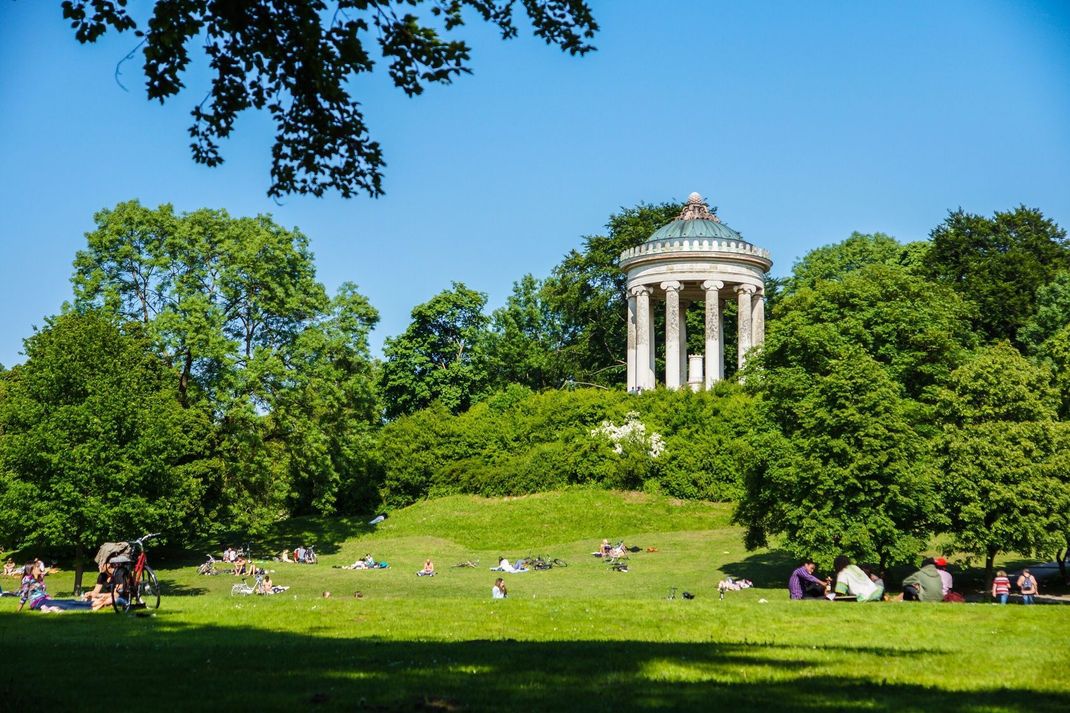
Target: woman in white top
851, 580
498, 591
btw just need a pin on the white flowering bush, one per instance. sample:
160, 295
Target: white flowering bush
630, 433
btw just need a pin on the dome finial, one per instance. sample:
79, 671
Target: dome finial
696, 209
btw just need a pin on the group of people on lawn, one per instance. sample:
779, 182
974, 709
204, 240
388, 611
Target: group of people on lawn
932, 582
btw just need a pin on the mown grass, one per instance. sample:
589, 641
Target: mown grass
581, 638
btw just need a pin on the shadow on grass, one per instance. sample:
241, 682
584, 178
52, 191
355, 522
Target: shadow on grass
288, 671
768, 569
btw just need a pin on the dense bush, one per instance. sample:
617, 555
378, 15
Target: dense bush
681, 443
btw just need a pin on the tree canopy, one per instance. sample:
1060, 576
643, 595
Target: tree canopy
440, 356
94, 444
998, 264
297, 59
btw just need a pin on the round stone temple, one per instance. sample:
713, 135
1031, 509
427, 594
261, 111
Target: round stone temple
694, 258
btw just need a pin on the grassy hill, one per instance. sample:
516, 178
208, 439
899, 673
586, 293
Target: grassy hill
580, 638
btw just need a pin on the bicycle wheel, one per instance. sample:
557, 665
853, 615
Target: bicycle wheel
121, 588
559, 563
149, 589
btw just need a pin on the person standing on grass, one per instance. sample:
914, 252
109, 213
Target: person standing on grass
498, 591
1027, 585
802, 584
1001, 587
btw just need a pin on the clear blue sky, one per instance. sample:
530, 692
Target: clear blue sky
801, 121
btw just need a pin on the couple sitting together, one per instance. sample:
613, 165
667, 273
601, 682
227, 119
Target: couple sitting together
852, 583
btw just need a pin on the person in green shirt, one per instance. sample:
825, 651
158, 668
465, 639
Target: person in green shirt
925, 585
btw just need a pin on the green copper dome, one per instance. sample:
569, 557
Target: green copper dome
695, 221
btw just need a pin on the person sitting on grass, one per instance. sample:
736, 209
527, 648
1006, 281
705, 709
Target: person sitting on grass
428, 570
10, 568
100, 595
498, 591
925, 585
852, 581
947, 581
802, 584
604, 548
267, 587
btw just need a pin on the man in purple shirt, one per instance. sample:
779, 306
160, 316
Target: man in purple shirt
803, 584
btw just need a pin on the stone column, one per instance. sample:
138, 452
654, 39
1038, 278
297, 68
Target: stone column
694, 372
743, 304
683, 342
631, 343
672, 334
714, 344
643, 346
651, 358
757, 319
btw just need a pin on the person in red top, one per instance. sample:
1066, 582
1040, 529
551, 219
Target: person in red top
1001, 587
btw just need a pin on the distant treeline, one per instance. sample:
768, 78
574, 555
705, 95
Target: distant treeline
202, 381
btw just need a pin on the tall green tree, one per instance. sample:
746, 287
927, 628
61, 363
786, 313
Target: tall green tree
215, 292
1052, 312
842, 470
94, 444
283, 372
298, 60
587, 293
831, 262
525, 343
999, 487
441, 356
1054, 353
998, 264
327, 409
916, 328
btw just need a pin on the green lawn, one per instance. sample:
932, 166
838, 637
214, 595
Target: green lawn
581, 638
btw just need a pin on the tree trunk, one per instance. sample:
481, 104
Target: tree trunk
183, 381
990, 559
79, 568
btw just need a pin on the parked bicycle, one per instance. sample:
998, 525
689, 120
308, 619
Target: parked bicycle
134, 584
244, 588
208, 568
542, 563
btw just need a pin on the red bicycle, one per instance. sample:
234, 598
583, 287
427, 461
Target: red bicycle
134, 584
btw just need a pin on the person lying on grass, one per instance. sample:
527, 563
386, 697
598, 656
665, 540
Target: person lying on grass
33, 590
428, 570
504, 566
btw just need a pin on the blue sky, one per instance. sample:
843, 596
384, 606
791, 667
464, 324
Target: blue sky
800, 121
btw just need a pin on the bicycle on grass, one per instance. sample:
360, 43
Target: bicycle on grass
134, 584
